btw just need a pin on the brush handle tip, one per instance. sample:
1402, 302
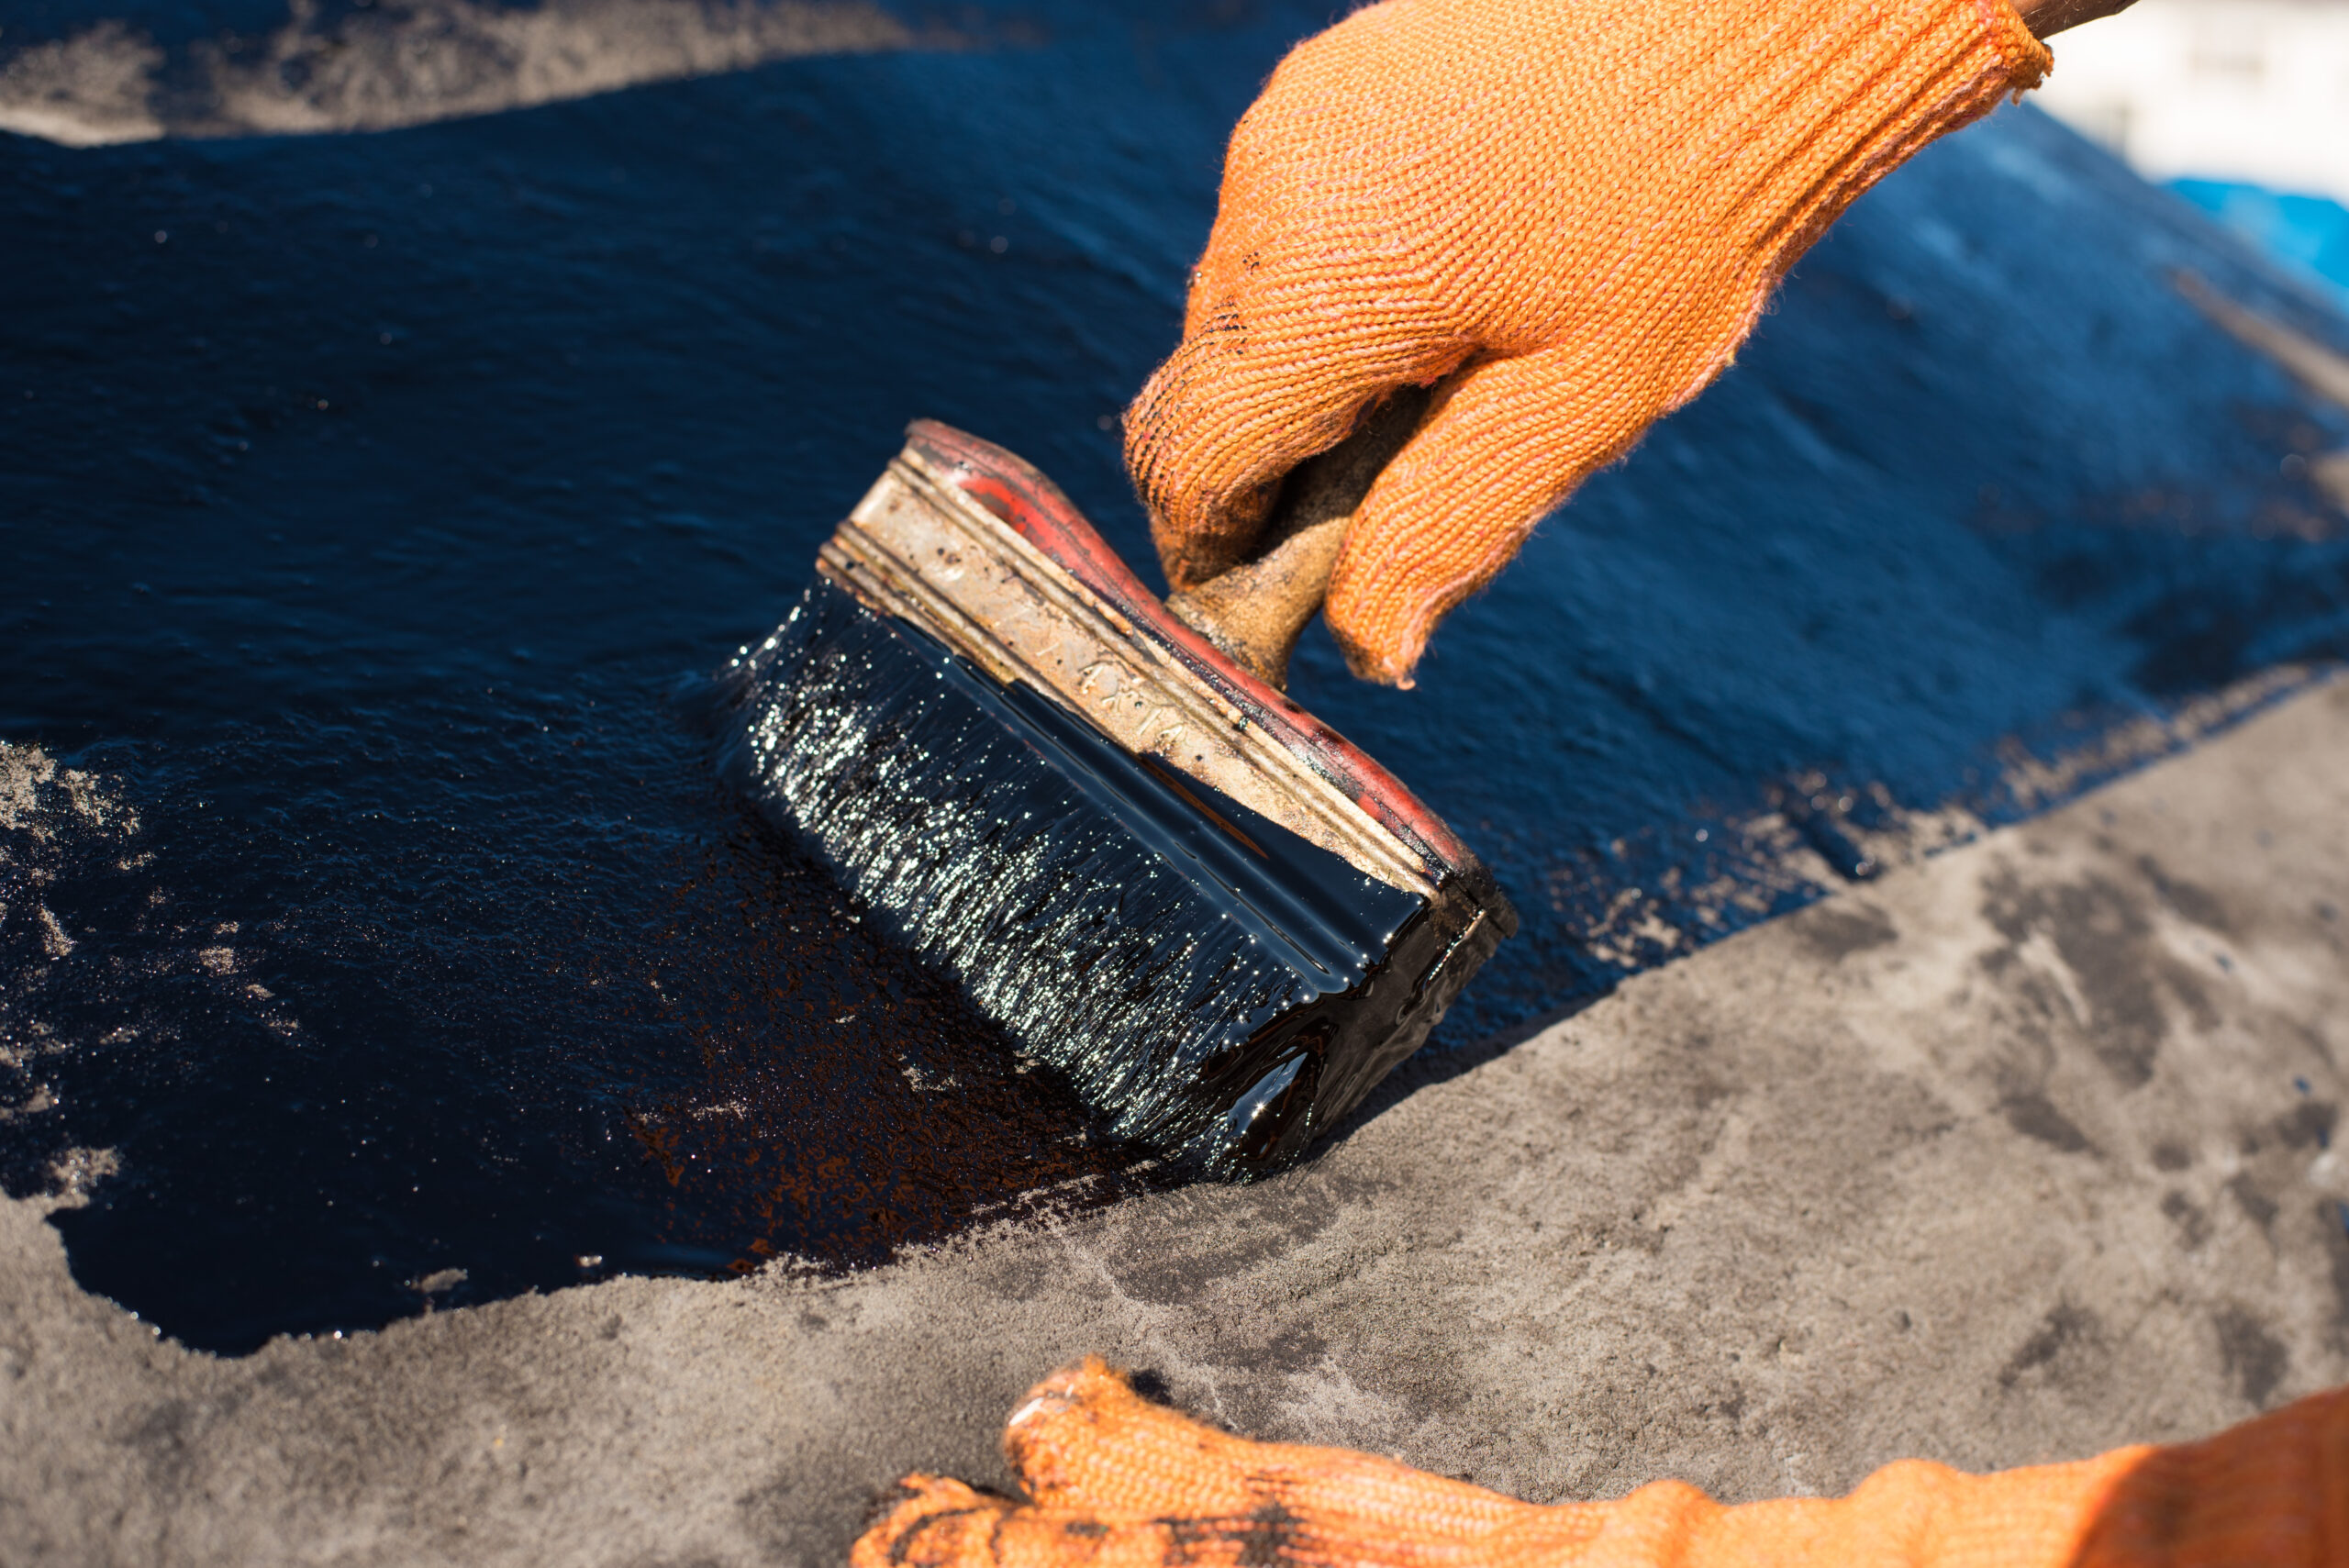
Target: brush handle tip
1256, 611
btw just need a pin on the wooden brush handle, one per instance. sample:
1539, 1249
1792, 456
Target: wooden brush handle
1256, 611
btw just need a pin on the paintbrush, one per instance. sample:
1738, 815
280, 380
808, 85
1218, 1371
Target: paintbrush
1218, 921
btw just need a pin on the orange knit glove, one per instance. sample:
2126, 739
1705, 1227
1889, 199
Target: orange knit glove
1118, 1481
1569, 212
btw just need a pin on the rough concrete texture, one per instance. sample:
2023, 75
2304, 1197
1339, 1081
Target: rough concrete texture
2014, 1155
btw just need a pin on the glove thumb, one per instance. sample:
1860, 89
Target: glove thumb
1503, 443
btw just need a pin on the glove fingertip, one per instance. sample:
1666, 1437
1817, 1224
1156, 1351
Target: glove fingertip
1190, 464
928, 1521
1491, 459
1382, 661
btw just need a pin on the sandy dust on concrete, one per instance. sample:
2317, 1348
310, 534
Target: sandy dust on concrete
2012, 1155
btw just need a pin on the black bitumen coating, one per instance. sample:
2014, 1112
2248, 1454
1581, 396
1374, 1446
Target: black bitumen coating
378, 505
1217, 987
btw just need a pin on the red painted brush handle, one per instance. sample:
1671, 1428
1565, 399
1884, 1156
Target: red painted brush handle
1032, 504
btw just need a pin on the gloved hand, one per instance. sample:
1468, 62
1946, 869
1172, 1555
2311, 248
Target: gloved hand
1117, 1481
1569, 212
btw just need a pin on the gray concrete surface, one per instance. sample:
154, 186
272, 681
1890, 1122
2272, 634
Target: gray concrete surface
2017, 1154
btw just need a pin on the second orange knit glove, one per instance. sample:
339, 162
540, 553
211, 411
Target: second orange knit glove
1119, 1482
1569, 212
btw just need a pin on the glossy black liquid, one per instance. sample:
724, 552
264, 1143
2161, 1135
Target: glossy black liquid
1215, 985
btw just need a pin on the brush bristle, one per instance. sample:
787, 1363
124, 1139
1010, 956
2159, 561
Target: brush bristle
1214, 985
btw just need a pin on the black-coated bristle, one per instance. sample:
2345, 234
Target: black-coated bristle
1196, 972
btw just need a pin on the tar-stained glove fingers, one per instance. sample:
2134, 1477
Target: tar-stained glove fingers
1114, 1480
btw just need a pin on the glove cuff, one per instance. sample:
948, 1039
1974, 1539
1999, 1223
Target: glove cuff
1817, 104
